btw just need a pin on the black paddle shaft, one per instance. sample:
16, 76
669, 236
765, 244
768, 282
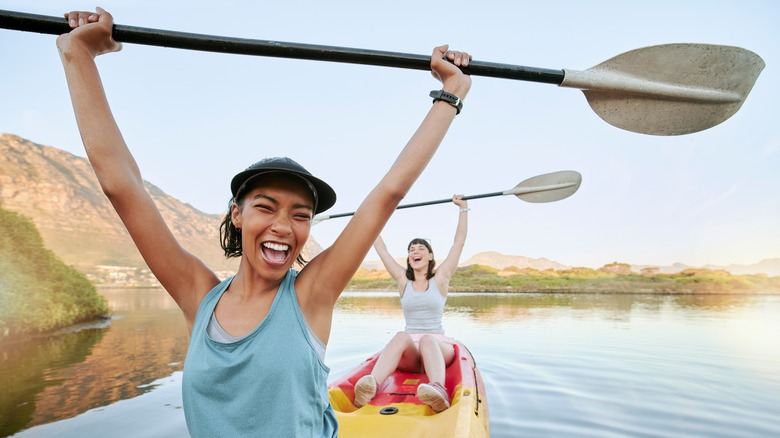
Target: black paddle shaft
420, 204
241, 46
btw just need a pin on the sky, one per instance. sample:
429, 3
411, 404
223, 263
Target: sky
194, 119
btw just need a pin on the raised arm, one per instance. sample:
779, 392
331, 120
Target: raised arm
180, 273
396, 270
450, 264
326, 275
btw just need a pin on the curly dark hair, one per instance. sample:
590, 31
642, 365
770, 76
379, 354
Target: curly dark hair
230, 236
431, 262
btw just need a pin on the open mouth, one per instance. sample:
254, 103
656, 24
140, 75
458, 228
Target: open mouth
275, 252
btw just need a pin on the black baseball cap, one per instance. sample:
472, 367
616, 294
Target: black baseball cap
324, 195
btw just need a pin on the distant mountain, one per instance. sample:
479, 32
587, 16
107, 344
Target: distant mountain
496, 260
670, 269
770, 267
501, 261
378, 266
490, 258
59, 192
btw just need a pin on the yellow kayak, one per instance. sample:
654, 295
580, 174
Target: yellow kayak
395, 411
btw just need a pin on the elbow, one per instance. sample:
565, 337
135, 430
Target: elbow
110, 188
110, 191
117, 189
391, 196
395, 197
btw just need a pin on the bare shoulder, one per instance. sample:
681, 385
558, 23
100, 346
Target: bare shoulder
192, 288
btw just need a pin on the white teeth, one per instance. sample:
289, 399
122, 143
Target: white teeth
276, 246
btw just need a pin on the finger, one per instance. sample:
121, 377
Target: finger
72, 18
103, 14
441, 51
466, 59
457, 58
78, 18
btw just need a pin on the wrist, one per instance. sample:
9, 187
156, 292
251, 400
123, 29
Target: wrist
458, 88
449, 98
464, 209
74, 52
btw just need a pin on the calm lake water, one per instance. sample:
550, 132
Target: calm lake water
554, 365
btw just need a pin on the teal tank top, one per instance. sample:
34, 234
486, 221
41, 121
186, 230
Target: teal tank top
270, 383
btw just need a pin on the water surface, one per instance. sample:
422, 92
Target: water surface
553, 364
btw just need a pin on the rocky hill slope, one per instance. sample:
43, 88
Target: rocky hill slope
59, 192
502, 261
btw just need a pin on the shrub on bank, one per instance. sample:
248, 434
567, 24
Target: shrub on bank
615, 279
38, 292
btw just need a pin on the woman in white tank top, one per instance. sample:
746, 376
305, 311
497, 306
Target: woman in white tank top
421, 347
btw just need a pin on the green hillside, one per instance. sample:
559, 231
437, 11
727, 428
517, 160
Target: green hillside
38, 291
613, 278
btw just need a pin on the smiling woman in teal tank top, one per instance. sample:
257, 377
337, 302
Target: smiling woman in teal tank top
254, 366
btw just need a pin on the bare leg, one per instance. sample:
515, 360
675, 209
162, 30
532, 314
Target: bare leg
401, 353
437, 355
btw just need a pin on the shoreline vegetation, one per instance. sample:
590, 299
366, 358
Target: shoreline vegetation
615, 278
39, 292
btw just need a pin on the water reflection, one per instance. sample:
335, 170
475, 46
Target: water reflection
26, 372
60, 376
575, 363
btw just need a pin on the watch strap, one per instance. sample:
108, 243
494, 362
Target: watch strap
447, 97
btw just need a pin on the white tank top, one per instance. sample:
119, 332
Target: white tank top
423, 310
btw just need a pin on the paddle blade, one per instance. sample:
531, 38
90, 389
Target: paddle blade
670, 89
549, 187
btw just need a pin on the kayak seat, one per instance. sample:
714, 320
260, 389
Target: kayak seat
399, 389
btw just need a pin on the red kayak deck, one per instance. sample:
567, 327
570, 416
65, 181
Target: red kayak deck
396, 410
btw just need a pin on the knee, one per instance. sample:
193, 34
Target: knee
401, 339
428, 341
